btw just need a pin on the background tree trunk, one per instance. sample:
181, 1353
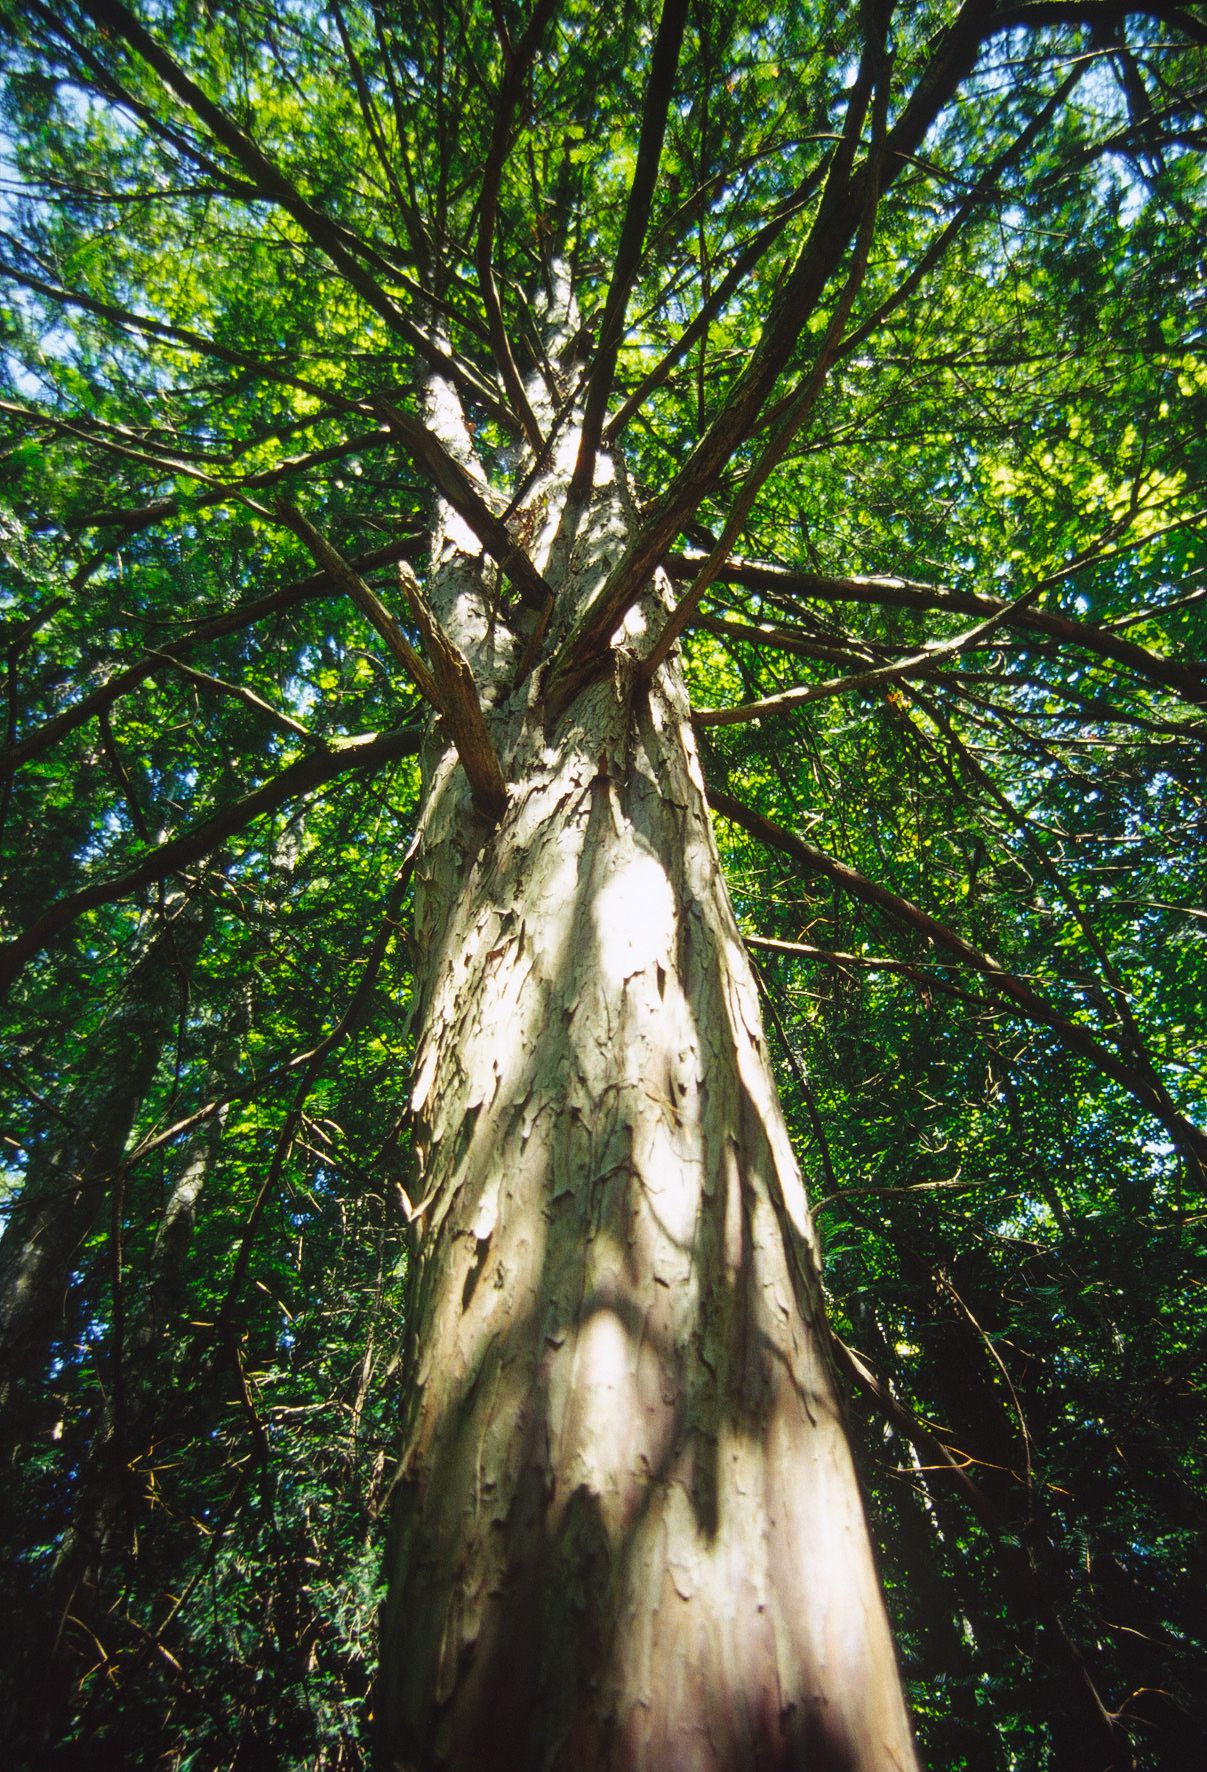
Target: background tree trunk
68, 1178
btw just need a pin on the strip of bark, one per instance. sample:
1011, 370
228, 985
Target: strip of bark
459, 703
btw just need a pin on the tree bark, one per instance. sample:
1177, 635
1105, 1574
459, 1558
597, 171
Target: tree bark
68, 1178
64, 1615
626, 1529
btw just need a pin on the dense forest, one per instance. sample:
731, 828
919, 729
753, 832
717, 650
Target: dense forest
603, 616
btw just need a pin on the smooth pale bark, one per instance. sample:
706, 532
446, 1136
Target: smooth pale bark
626, 1530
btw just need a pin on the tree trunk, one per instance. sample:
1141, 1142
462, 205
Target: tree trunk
626, 1529
943, 1660
65, 1611
68, 1178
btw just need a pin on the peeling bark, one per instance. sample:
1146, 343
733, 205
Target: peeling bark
626, 1530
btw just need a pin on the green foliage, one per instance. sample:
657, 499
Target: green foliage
1015, 407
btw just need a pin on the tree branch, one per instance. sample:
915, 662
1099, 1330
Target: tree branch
238, 692
367, 751
454, 484
332, 239
801, 401
366, 600
244, 615
842, 206
726, 289
1188, 681
183, 336
513, 80
632, 236
919, 664
1145, 1089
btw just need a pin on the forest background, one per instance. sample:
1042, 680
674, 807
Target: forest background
941, 623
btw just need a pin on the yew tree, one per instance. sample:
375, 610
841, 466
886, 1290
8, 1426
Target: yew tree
603, 614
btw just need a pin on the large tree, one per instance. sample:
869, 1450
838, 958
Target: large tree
455, 453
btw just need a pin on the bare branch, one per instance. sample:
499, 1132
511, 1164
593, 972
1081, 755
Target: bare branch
239, 692
333, 239
454, 484
366, 600
805, 950
245, 615
919, 664
1187, 680
513, 80
177, 335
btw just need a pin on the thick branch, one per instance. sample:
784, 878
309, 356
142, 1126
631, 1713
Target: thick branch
918, 664
838, 218
1186, 680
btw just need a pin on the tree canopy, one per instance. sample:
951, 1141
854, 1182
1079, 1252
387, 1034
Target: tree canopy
895, 317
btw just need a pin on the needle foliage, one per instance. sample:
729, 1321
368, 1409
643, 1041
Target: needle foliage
900, 340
